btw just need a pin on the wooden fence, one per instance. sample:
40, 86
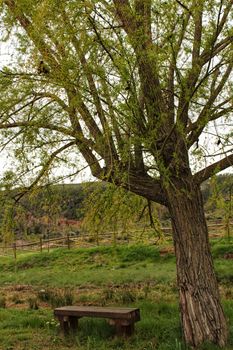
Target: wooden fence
40, 245
216, 230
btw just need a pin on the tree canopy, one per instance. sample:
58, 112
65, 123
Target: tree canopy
125, 81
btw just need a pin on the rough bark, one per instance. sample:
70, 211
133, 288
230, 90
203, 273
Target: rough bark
201, 312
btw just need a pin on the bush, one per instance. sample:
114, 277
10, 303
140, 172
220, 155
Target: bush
32, 304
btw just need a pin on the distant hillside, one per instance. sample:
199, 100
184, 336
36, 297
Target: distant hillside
48, 209
55, 207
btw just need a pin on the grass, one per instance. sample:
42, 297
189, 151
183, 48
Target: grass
37, 330
158, 329
126, 275
88, 266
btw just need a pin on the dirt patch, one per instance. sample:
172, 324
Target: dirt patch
19, 296
23, 296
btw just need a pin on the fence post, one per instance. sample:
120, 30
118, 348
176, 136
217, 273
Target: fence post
14, 251
40, 244
68, 240
48, 237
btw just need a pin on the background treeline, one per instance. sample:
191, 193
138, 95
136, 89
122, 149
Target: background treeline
97, 207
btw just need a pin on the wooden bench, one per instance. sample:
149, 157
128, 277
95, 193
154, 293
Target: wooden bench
122, 318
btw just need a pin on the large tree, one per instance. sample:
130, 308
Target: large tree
131, 85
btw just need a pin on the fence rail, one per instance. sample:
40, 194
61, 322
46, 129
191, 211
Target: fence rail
216, 229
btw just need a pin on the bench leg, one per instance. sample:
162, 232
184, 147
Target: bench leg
73, 321
124, 330
68, 324
64, 324
128, 330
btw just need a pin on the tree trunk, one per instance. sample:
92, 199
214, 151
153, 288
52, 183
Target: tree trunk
201, 312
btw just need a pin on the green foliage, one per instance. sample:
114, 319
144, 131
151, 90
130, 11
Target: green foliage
109, 208
103, 207
217, 191
7, 222
95, 96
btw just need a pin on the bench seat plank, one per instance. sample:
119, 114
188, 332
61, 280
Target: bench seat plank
96, 311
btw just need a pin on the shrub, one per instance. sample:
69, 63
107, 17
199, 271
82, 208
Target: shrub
32, 304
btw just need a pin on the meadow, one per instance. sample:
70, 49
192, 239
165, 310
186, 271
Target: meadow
129, 275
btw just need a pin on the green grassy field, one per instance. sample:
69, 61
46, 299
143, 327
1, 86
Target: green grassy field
125, 275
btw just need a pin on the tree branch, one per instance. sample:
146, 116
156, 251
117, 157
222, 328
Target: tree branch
39, 125
41, 45
143, 19
205, 115
45, 168
53, 98
184, 7
209, 54
198, 8
149, 79
213, 169
142, 185
199, 60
